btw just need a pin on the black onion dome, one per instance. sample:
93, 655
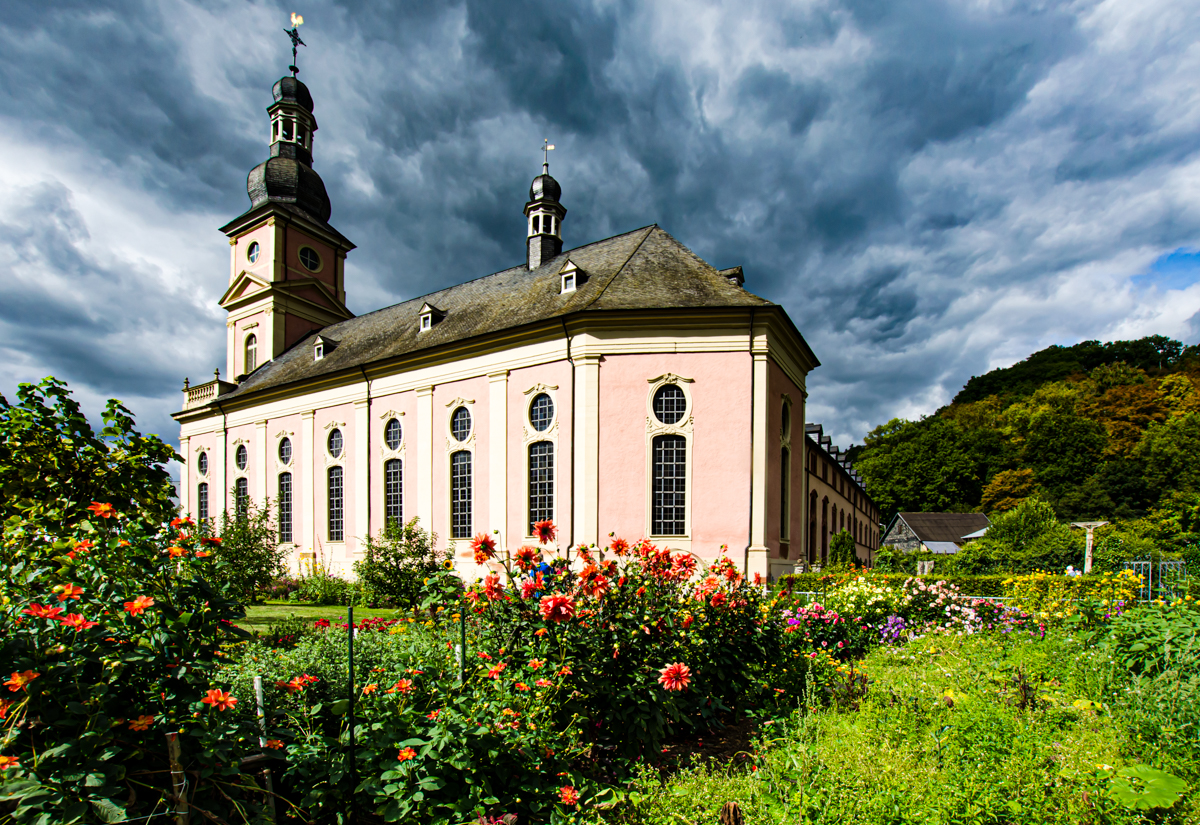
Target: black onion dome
289, 89
545, 188
287, 180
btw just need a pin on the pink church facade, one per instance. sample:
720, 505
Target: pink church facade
623, 387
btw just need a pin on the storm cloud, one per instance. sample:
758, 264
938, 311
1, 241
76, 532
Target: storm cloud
931, 189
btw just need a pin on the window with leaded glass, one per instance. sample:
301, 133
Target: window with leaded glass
334, 491
460, 424
670, 481
669, 404
541, 412
285, 508
541, 483
392, 434
393, 489
460, 494
202, 501
241, 496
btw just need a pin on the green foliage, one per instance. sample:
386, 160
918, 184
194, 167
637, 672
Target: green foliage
842, 550
319, 585
1171, 454
253, 558
53, 463
396, 563
891, 559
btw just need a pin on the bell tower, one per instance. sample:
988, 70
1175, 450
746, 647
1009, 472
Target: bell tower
544, 215
287, 264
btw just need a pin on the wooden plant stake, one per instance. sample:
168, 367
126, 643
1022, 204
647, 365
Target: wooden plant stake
178, 780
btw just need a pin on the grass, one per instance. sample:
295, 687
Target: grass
969, 730
262, 616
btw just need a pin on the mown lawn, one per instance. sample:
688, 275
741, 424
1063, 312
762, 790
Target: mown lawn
262, 616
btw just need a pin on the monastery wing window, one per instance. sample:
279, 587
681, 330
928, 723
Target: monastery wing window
285, 508
336, 517
541, 483
668, 508
393, 489
460, 494
202, 501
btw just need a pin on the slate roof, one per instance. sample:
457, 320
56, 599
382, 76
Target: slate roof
643, 269
944, 526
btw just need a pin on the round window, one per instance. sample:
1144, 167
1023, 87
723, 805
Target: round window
241, 457
460, 424
310, 258
392, 434
541, 412
285, 451
202, 464
669, 404
252, 252
335, 443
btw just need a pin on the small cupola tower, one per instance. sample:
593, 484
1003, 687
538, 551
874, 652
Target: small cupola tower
544, 215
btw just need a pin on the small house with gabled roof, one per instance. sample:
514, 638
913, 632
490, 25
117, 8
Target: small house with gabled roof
941, 533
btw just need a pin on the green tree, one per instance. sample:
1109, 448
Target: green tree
1007, 489
396, 562
842, 550
250, 550
1170, 453
53, 464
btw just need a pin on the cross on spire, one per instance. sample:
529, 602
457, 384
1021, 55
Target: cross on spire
294, 33
547, 146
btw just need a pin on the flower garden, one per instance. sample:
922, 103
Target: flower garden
580, 684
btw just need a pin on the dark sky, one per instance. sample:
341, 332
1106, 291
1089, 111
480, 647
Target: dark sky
931, 189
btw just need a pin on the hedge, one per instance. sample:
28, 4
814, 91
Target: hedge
984, 585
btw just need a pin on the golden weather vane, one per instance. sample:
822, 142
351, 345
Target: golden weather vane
294, 33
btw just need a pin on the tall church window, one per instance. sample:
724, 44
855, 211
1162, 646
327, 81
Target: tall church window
541, 483
336, 520
785, 493
393, 489
251, 353
460, 493
241, 496
285, 508
202, 501
670, 479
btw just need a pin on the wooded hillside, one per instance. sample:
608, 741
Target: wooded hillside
1099, 431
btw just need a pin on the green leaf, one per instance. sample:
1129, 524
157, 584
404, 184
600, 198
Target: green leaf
340, 707
1142, 788
107, 811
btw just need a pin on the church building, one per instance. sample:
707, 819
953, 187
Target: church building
625, 386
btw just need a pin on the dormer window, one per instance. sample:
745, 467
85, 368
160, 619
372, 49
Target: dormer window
318, 351
572, 276
322, 347
429, 316
568, 282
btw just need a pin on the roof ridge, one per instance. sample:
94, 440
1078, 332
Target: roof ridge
649, 231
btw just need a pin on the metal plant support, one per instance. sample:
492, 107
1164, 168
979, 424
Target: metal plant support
1163, 579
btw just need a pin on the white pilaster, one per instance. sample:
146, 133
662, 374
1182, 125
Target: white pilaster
264, 453
219, 498
498, 456
307, 501
425, 442
362, 473
586, 450
230, 350
756, 556
185, 482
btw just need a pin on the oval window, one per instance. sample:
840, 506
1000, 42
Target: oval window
252, 252
202, 464
541, 412
242, 457
669, 404
285, 451
460, 424
310, 258
392, 434
335, 443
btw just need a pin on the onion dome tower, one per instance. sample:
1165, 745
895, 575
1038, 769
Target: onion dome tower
287, 275
544, 214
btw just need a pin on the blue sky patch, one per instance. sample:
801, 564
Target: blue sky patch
1175, 270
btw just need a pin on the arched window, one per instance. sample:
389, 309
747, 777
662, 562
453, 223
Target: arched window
824, 529
812, 526
202, 464
285, 508
541, 482
668, 509
336, 519
785, 493
285, 451
335, 443
202, 501
460, 494
460, 424
241, 457
241, 496
393, 489
392, 434
251, 353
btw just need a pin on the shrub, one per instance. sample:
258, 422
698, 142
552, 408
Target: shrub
321, 586
890, 559
1052, 597
253, 558
396, 563
842, 551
